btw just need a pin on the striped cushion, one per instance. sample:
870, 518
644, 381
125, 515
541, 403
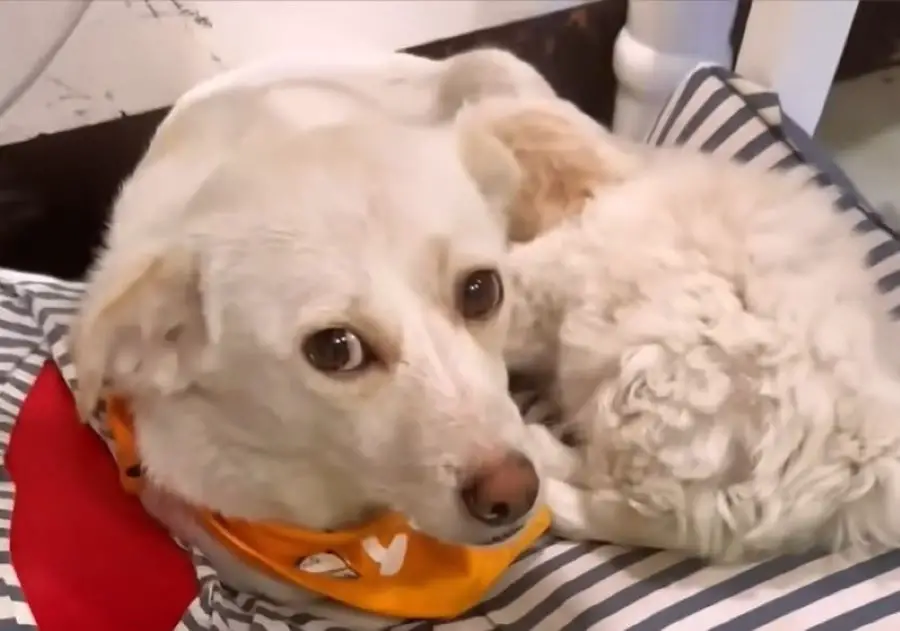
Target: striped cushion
558, 585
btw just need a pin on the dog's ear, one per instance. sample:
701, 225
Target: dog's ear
564, 157
485, 73
141, 325
490, 164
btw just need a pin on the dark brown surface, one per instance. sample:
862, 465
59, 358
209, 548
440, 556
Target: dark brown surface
69, 180
874, 40
56, 190
740, 24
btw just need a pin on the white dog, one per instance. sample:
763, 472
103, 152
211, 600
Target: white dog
713, 338
298, 325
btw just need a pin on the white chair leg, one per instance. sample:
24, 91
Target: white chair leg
661, 42
793, 47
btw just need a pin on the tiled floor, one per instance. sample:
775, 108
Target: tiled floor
861, 126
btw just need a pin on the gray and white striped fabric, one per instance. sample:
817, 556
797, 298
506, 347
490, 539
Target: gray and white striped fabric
30, 308
558, 585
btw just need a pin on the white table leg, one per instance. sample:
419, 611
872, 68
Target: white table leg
661, 42
794, 46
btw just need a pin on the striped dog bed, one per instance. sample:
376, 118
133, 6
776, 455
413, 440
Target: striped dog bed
77, 554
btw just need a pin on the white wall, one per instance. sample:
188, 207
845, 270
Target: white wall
794, 47
130, 56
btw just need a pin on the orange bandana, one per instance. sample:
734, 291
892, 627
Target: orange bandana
385, 567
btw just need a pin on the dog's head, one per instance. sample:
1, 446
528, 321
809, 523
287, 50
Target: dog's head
309, 324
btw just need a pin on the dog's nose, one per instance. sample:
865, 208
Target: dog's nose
501, 491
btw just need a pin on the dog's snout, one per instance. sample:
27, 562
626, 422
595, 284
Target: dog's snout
501, 491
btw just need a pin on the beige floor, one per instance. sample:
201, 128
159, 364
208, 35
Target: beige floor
861, 126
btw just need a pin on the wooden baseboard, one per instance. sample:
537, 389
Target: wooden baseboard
56, 190
874, 40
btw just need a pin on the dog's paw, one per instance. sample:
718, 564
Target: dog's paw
556, 460
572, 512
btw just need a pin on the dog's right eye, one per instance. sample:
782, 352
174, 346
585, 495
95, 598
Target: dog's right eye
337, 350
480, 294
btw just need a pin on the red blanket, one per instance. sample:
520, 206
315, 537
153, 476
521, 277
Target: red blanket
88, 557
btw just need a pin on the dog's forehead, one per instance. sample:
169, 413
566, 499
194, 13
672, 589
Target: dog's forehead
357, 179
340, 206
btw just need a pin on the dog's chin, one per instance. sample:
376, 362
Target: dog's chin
495, 537
500, 538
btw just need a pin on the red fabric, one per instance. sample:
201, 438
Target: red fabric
88, 556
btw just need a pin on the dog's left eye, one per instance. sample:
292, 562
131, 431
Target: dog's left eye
337, 350
480, 294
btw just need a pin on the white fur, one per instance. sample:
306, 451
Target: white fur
717, 342
277, 202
